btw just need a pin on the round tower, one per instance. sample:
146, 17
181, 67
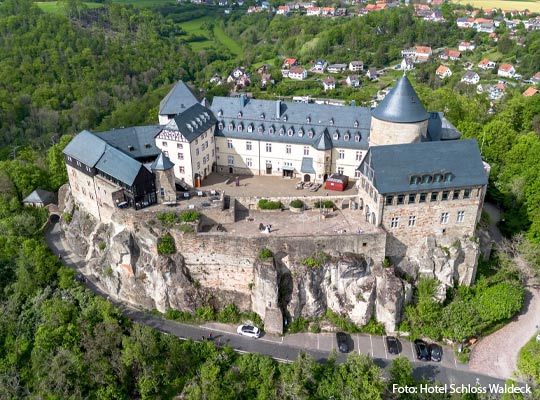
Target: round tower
399, 118
163, 170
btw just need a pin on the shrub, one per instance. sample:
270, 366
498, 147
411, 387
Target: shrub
67, 217
269, 205
228, 314
168, 218
186, 228
265, 253
386, 262
102, 245
315, 328
206, 313
190, 216
166, 245
324, 204
317, 260
296, 203
299, 324
529, 360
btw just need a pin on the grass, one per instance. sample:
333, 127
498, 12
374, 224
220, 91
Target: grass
533, 6
53, 7
194, 27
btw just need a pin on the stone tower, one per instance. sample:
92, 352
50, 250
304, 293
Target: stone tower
163, 170
399, 118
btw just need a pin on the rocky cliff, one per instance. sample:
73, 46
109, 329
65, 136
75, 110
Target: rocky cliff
305, 277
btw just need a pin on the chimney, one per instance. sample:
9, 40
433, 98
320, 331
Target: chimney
278, 109
242, 100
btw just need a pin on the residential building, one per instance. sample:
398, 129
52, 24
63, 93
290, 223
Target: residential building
283, 10
443, 72
466, 46
470, 78
313, 11
356, 66
422, 53
449, 54
337, 68
531, 91
353, 81
372, 74
506, 70
297, 73
289, 62
486, 64
329, 83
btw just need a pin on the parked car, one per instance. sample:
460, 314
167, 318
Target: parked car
392, 344
342, 342
249, 330
422, 350
435, 352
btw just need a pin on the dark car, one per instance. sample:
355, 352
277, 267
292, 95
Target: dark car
422, 350
435, 352
392, 344
342, 342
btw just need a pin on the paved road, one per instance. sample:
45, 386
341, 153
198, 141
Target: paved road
285, 348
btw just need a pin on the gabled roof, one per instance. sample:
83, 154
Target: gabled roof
162, 163
193, 122
394, 165
530, 92
86, 148
39, 196
119, 165
468, 75
401, 105
505, 67
137, 141
177, 100
442, 70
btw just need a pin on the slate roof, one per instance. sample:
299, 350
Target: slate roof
394, 165
86, 148
193, 122
39, 196
319, 132
439, 128
119, 165
162, 163
401, 105
137, 141
307, 165
177, 100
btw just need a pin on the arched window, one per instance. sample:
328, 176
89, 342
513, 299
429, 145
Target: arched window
357, 138
346, 137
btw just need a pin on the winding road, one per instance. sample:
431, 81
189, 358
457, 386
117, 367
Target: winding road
282, 348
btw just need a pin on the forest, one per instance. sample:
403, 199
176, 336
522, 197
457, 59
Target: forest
103, 68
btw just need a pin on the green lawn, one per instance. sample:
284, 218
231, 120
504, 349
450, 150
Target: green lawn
194, 27
54, 8
226, 40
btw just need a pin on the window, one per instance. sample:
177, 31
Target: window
358, 156
68, 158
395, 222
260, 129
341, 154
268, 147
180, 156
336, 135
427, 178
290, 132
466, 193
434, 196
414, 180
250, 128
331, 121
357, 174
220, 126
281, 131
166, 153
198, 165
356, 124
460, 216
310, 133
182, 170
212, 139
229, 144
212, 152
412, 220
444, 218
346, 137
357, 138
262, 116
249, 162
437, 177
423, 197
445, 195
230, 160
306, 150
389, 200
308, 120
231, 127
240, 127
197, 152
248, 146
455, 196
447, 177
300, 132
164, 144
271, 130
196, 142
288, 149
412, 198
401, 199
340, 170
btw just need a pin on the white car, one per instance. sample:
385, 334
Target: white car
249, 330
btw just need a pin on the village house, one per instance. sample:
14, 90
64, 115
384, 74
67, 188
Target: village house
449, 54
443, 72
494, 36
466, 46
289, 62
356, 66
531, 91
266, 79
486, 64
353, 81
465, 22
506, 70
329, 83
337, 68
422, 53
313, 11
470, 78
328, 11
297, 73
319, 66
372, 74
283, 10
39, 198
536, 78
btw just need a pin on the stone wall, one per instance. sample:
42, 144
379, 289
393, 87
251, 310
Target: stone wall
385, 133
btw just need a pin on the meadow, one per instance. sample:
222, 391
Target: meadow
195, 28
533, 6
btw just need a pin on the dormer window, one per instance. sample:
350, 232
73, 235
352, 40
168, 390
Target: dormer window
346, 137
220, 113
437, 177
131, 148
357, 137
300, 132
240, 127
206, 115
290, 132
262, 115
239, 114
310, 133
260, 129
336, 135
231, 126
190, 127
271, 130
220, 126
281, 131
308, 120
250, 128
448, 177
199, 121
285, 118
356, 124
331, 121
414, 180
427, 178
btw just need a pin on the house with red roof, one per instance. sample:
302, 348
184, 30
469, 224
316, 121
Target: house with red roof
443, 72
530, 92
506, 70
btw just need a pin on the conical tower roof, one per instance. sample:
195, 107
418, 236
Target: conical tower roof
401, 105
162, 163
